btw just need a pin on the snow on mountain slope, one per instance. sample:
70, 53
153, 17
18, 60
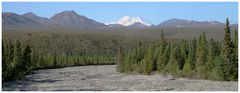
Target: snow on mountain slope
127, 21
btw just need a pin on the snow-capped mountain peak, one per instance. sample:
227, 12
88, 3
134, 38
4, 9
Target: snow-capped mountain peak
127, 20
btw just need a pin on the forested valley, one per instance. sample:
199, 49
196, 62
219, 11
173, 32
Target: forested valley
199, 58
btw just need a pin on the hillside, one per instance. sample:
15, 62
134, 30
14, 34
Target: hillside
73, 20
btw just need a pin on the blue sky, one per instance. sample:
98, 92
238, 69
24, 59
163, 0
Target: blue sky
151, 12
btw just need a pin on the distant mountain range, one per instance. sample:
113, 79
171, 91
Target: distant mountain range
14, 20
180, 23
70, 19
65, 19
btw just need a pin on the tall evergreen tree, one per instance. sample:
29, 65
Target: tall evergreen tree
27, 63
226, 54
172, 66
120, 61
193, 53
181, 54
211, 55
201, 57
234, 57
161, 58
148, 61
189, 66
17, 60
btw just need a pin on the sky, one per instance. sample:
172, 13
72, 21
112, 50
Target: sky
150, 12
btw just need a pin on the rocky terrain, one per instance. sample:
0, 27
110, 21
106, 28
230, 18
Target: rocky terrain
105, 78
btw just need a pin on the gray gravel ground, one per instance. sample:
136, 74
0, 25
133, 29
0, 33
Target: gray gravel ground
105, 78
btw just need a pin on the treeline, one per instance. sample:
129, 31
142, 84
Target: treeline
199, 58
41, 61
19, 59
57, 49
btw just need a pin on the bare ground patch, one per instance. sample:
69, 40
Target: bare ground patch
105, 78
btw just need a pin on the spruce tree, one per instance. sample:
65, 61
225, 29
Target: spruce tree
201, 57
172, 66
17, 61
211, 54
226, 54
162, 56
181, 54
187, 71
27, 63
234, 57
189, 65
120, 57
162, 59
148, 60
192, 54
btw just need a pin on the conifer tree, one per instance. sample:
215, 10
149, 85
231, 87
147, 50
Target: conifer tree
161, 58
181, 54
235, 57
188, 69
27, 63
201, 57
148, 60
226, 54
211, 55
172, 66
120, 60
17, 61
192, 54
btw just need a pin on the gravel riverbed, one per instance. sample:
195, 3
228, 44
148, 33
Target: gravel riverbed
105, 78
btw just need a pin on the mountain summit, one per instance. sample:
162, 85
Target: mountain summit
72, 19
128, 21
34, 17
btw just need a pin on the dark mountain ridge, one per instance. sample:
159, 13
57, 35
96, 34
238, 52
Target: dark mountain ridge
32, 16
65, 19
180, 23
72, 20
10, 20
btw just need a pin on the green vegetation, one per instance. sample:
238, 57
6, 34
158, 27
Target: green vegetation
45, 50
16, 60
199, 58
19, 59
138, 51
